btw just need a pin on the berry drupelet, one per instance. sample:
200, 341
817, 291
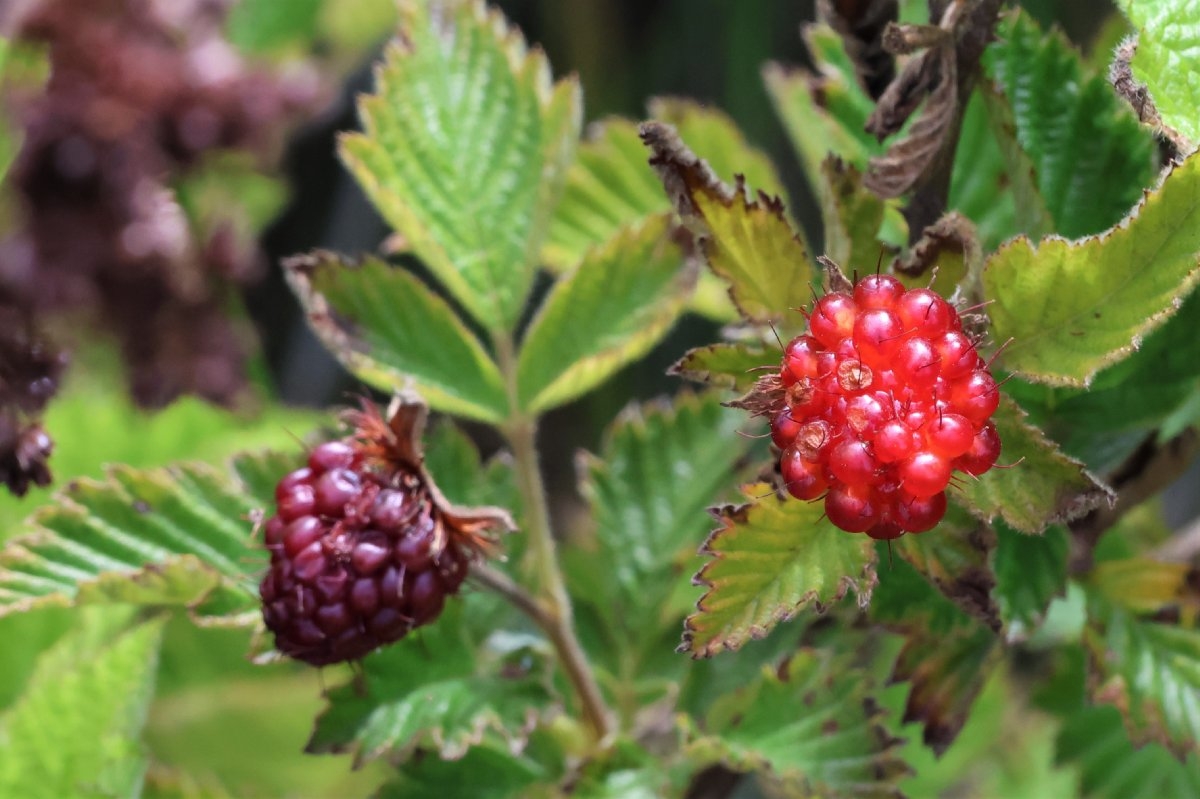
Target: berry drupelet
877, 405
363, 546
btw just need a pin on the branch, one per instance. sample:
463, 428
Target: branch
1150, 469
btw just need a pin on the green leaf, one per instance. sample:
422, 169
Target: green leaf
748, 242
1072, 308
770, 560
953, 557
484, 772
1132, 396
810, 727
825, 112
453, 460
1091, 156
947, 672
660, 467
979, 184
465, 150
1040, 487
1031, 571
1165, 60
1112, 768
628, 770
75, 731
263, 27
176, 536
1151, 672
611, 184
904, 598
448, 687
392, 331
852, 231
617, 304
723, 365
947, 656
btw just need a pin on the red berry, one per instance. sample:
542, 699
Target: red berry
925, 474
803, 479
832, 319
894, 441
985, 449
917, 363
949, 435
924, 313
956, 354
852, 508
877, 336
882, 399
976, 396
878, 291
800, 359
784, 429
918, 514
865, 413
852, 462
886, 530
331, 455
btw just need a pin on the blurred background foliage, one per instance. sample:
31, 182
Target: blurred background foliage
218, 725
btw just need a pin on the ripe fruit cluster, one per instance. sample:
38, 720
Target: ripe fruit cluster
364, 547
884, 398
356, 561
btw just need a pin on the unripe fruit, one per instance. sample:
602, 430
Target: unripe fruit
877, 405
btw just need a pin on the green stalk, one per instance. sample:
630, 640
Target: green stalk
557, 618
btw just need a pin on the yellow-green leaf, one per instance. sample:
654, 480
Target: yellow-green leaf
1073, 307
616, 305
392, 331
1166, 60
771, 560
747, 241
1036, 484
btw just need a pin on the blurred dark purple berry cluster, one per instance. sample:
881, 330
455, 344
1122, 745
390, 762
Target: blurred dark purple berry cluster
140, 93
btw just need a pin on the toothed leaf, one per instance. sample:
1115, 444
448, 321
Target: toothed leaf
1035, 484
660, 467
809, 727
617, 304
745, 240
770, 560
1072, 308
393, 332
465, 147
723, 365
1091, 156
447, 687
76, 729
1165, 60
175, 536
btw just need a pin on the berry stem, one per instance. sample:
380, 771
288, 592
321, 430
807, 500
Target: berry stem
552, 611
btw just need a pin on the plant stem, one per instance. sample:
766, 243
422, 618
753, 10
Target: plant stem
551, 610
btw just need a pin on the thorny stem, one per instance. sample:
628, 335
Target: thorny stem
552, 610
